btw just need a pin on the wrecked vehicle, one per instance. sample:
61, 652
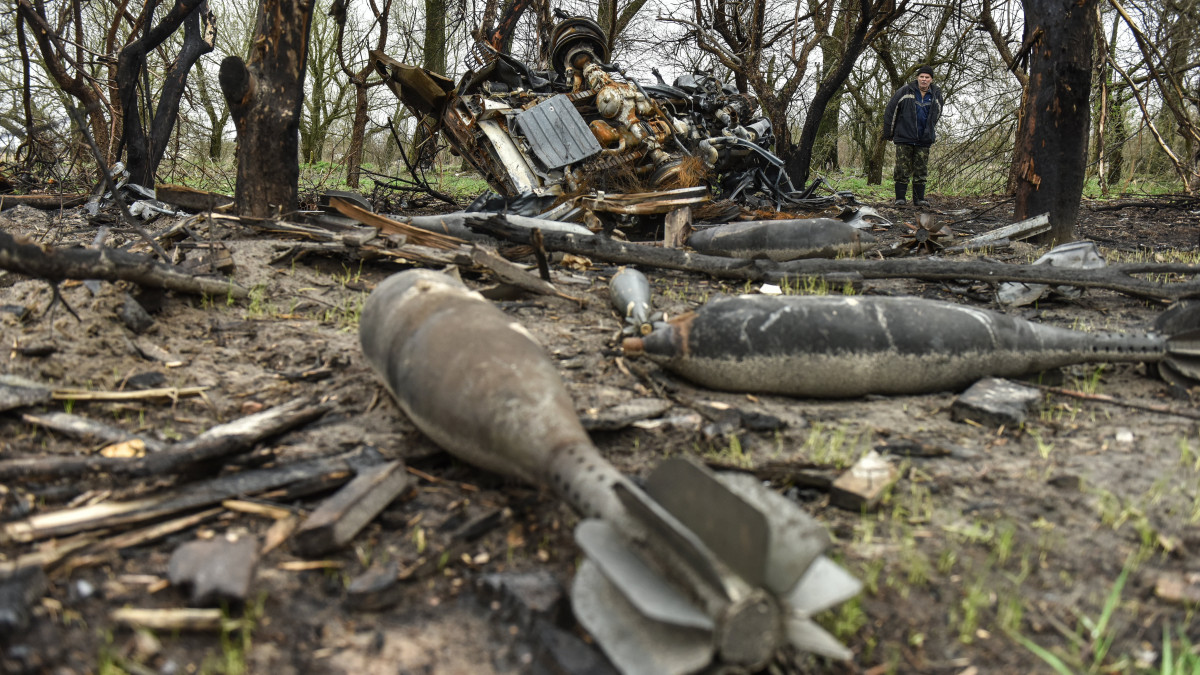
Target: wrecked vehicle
695, 570
838, 347
584, 125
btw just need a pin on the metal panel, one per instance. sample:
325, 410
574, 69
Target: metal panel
557, 133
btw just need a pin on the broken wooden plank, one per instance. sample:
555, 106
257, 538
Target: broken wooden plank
217, 443
677, 227
862, 486
338, 519
217, 570
1015, 232
191, 199
194, 496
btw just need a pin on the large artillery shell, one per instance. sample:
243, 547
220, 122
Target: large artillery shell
824, 346
781, 240
473, 380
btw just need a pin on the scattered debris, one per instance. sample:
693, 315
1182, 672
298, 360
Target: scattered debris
587, 125
1081, 255
837, 347
718, 599
218, 570
863, 485
342, 516
996, 402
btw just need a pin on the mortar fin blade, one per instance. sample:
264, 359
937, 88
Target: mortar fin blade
824, 585
643, 587
733, 529
807, 636
796, 538
674, 535
635, 644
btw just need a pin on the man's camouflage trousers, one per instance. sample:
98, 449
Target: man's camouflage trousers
912, 161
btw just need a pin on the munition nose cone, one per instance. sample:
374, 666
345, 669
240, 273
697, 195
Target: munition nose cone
633, 346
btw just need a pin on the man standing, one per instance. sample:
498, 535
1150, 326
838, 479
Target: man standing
909, 122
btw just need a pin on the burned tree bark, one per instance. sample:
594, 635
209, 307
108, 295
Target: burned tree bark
1052, 140
145, 152
264, 96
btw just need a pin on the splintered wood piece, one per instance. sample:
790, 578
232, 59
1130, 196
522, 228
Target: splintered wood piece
676, 227
861, 488
194, 496
216, 569
181, 619
338, 519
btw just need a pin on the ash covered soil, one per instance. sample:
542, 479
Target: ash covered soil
990, 536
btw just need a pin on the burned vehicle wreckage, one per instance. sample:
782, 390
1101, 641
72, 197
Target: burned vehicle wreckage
584, 126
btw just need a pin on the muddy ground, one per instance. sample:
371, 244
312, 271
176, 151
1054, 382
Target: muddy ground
991, 538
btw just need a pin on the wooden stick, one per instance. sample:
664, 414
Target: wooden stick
1104, 398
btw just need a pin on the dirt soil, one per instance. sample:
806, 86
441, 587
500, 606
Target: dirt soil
991, 536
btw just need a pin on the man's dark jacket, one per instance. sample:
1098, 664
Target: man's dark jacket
900, 117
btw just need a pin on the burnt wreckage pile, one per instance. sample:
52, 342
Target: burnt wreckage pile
560, 131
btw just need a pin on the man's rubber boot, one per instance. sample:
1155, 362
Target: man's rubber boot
900, 190
919, 195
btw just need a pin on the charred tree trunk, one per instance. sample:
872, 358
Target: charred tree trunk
66, 70
1050, 161
873, 16
264, 97
145, 152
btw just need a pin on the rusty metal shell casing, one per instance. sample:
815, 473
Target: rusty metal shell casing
474, 381
835, 347
782, 240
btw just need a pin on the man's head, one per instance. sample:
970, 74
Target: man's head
924, 77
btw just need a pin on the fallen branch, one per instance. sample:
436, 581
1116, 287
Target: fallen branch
191, 497
216, 443
1117, 277
1104, 398
106, 264
43, 201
